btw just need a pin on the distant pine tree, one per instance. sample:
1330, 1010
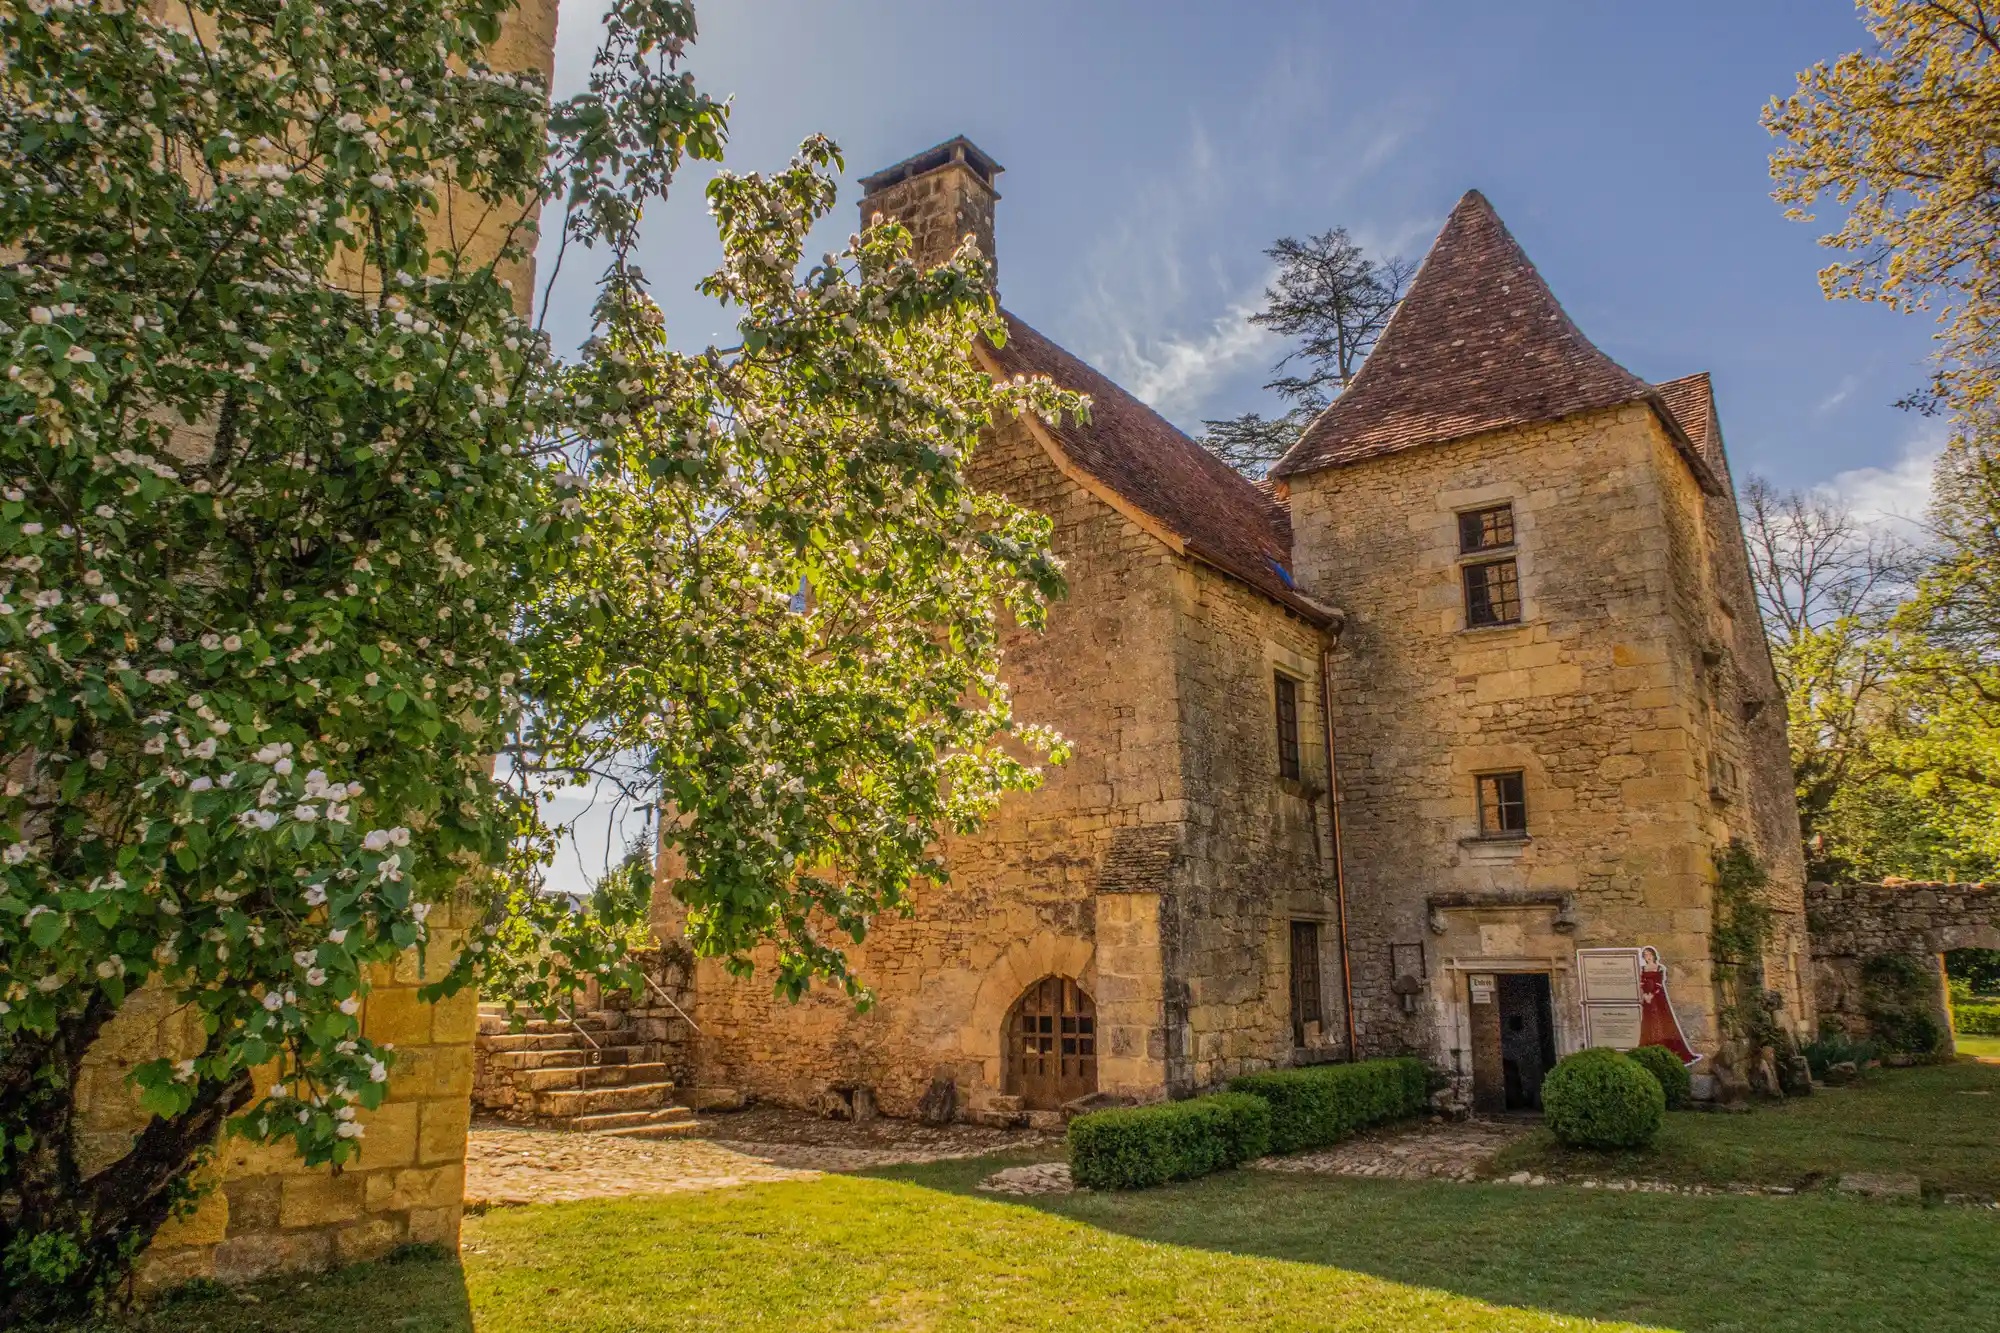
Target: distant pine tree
1336, 300
1251, 443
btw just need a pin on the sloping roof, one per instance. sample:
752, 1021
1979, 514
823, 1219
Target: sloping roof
1219, 516
1691, 399
1479, 344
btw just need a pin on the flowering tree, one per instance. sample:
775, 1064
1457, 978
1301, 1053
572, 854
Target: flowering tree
297, 515
785, 601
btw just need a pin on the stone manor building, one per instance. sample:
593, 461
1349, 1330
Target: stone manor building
1364, 755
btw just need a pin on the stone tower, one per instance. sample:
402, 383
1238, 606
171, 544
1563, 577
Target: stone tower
1553, 700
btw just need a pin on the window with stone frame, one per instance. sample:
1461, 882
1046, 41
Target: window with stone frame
1286, 692
1503, 805
1492, 586
1492, 593
1306, 1007
1488, 529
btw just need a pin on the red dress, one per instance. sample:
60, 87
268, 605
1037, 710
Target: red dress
1657, 1024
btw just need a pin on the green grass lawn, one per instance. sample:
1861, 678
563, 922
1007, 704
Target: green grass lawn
1243, 1250
915, 1248
1939, 1122
1985, 1048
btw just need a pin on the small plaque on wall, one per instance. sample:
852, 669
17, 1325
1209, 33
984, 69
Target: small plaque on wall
1481, 984
1615, 1025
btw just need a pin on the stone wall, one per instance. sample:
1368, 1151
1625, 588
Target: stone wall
1852, 924
266, 1211
1595, 696
1743, 716
1160, 866
1025, 899
1254, 849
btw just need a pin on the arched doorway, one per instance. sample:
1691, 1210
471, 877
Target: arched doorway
1051, 1044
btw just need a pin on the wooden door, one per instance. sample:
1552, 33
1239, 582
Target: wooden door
1489, 1087
1052, 1044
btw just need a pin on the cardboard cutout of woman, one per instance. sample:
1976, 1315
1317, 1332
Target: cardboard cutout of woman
1658, 1026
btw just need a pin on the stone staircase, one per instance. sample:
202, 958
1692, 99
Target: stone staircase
592, 1076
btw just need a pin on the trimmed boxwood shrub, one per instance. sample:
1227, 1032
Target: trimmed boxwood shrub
1600, 1098
1320, 1105
1976, 1020
1134, 1147
1674, 1078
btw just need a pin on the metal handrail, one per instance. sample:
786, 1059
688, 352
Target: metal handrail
569, 1016
661, 991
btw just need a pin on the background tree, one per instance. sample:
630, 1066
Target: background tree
1903, 137
1827, 588
1336, 300
1879, 789
300, 524
1950, 634
1253, 442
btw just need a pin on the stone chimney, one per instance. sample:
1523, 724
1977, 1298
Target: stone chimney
942, 195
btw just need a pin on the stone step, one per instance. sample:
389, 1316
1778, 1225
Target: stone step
579, 1054
552, 1077
610, 1122
500, 1025
503, 1042
573, 1103
673, 1122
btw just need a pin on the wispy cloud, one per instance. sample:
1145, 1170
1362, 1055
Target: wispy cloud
1895, 497
1844, 391
1174, 374
1171, 285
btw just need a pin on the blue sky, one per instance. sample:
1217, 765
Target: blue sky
1154, 149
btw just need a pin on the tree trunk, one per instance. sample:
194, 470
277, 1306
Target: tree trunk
66, 1240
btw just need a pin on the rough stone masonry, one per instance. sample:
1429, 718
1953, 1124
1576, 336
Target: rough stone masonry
1227, 860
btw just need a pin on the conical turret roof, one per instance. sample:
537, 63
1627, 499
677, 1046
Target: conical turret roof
1479, 344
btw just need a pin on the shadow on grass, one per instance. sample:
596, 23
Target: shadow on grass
1701, 1264
418, 1289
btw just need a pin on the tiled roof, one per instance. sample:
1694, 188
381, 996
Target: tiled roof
1479, 344
1219, 516
1691, 399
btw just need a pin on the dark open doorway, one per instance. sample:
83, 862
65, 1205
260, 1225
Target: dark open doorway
1513, 1040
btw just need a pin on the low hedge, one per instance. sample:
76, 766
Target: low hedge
1320, 1105
1134, 1147
1976, 1020
1601, 1098
1675, 1081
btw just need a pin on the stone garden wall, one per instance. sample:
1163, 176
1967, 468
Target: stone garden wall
1870, 941
266, 1211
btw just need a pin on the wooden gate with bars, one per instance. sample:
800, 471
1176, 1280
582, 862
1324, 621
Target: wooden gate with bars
1052, 1044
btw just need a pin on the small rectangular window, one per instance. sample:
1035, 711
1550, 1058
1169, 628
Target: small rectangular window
1305, 979
1288, 727
1486, 529
1492, 593
1503, 806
